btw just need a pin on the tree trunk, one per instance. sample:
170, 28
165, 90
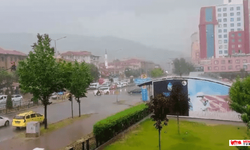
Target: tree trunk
159, 139
79, 103
45, 117
178, 123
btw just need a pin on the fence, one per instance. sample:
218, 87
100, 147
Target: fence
87, 143
17, 105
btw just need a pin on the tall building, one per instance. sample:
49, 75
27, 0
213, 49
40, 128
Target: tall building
195, 48
224, 29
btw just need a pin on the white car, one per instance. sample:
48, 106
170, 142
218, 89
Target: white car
103, 90
16, 98
4, 121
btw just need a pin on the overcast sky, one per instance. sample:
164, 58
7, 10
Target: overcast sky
157, 23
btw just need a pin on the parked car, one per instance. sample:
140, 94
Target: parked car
103, 91
113, 87
54, 95
17, 98
135, 91
124, 84
4, 121
3, 99
94, 86
22, 119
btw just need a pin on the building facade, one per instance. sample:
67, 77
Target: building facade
81, 56
219, 27
233, 63
9, 56
195, 48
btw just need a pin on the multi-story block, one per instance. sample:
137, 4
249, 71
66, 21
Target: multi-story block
81, 56
224, 29
9, 56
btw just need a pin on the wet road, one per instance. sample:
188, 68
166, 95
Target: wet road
60, 111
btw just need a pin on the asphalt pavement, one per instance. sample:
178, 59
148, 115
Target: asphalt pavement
104, 104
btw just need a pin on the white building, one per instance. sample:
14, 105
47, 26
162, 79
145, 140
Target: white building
81, 56
230, 17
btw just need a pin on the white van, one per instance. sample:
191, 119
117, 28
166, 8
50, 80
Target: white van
93, 86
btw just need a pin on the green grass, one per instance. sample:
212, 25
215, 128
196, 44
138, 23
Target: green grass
194, 136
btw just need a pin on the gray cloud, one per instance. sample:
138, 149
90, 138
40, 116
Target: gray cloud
156, 23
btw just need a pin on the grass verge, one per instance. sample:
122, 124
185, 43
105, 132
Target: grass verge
194, 136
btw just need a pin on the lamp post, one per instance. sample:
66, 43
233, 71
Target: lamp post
57, 40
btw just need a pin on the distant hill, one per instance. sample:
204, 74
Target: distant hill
116, 47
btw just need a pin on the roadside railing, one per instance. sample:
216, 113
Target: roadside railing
87, 143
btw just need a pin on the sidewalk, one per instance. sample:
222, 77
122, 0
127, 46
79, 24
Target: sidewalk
62, 137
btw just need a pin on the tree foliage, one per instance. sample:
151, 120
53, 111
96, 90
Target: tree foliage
40, 74
132, 72
240, 99
157, 72
94, 71
79, 81
181, 67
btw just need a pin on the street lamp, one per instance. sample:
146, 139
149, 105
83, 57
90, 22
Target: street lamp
57, 40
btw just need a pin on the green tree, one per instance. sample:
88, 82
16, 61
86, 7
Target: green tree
180, 102
9, 104
181, 67
160, 106
94, 71
40, 74
157, 72
79, 81
132, 72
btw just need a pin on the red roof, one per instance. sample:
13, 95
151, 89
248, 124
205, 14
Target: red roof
76, 53
11, 52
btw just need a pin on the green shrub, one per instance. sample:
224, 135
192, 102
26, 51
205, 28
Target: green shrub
109, 127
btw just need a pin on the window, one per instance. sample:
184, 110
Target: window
219, 30
225, 41
230, 67
219, 20
225, 51
209, 68
239, 40
240, 51
224, 14
233, 51
239, 34
219, 9
238, 24
220, 52
232, 29
238, 8
220, 41
231, 19
231, 14
238, 13
239, 29
229, 61
225, 20
239, 45
220, 47
224, 9
216, 62
223, 62
232, 35
219, 25
237, 61
219, 15
238, 19
229, 1
232, 25
220, 36
231, 8
233, 40
224, 25
225, 35
225, 30
244, 61
223, 68
233, 46
225, 46
33, 115
216, 68
238, 67
28, 117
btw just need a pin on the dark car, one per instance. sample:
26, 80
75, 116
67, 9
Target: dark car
135, 91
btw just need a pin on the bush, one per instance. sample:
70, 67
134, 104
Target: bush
111, 126
9, 104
